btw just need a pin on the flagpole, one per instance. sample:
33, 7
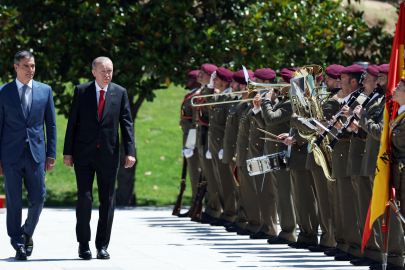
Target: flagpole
387, 233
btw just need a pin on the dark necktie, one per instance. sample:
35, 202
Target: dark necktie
24, 102
100, 108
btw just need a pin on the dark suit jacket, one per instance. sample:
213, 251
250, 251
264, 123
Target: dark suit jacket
14, 128
85, 129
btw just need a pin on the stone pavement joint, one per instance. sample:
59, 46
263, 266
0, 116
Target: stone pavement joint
151, 238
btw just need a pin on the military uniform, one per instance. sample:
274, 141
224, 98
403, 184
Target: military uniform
275, 117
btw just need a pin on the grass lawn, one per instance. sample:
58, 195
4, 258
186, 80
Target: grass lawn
158, 140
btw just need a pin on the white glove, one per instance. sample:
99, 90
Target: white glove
211, 84
188, 152
208, 155
221, 154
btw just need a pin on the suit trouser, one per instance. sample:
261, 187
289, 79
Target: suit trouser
193, 167
336, 216
363, 188
106, 179
351, 231
324, 199
305, 205
285, 207
250, 200
241, 219
212, 203
34, 182
227, 196
267, 203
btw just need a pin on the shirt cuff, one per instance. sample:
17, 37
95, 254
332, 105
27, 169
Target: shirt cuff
51, 157
256, 111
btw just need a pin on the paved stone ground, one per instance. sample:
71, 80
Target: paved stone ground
150, 238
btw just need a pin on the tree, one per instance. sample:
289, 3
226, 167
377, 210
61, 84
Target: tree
154, 43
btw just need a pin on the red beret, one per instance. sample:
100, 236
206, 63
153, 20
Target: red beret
265, 74
225, 74
384, 68
209, 68
373, 70
193, 74
319, 78
333, 71
287, 74
239, 76
352, 69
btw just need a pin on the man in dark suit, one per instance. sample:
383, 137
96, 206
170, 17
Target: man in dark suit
92, 145
24, 107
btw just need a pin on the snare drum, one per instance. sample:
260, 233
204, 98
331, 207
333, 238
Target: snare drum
268, 163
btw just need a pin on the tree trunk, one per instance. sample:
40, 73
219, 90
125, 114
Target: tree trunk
126, 177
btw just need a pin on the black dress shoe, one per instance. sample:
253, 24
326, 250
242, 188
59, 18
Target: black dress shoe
102, 254
245, 232
261, 235
278, 241
220, 222
390, 266
233, 228
184, 215
320, 248
207, 219
299, 245
84, 251
29, 244
334, 252
231, 224
363, 261
20, 254
345, 257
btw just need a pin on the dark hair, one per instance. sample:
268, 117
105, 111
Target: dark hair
20, 55
356, 76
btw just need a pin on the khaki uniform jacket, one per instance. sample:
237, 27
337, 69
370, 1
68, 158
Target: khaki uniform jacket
370, 128
218, 115
275, 118
231, 130
256, 145
186, 118
201, 113
242, 144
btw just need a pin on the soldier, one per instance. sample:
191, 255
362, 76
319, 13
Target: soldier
221, 80
230, 138
187, 123
371, 123
265, 191
201, 118
274, 115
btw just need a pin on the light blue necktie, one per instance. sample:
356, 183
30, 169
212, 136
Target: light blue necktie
24, 102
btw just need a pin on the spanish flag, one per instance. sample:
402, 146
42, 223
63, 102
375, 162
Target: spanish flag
381, 190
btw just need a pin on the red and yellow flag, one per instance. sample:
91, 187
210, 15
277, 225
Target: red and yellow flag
381, 190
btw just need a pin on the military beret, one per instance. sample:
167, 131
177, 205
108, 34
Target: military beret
225, 74
319, 78
352, 69
209, 68
287, 74
384, 68
193, 74
333, 71
265, 74
239, 76
373, 70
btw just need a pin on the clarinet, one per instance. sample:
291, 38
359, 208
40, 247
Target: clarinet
349, 120
338, 115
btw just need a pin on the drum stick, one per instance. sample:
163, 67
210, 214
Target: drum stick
268, 133
268, 139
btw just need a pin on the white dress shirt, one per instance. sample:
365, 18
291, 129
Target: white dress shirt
28, 92
98, 89
401, 109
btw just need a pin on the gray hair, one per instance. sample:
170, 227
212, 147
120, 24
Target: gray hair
20, 55
100, 59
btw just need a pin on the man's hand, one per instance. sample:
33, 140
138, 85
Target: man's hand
354, 126
346, 111
1, 169
49, 164
324, 123
257, 102
338, 124
289, 141
129, 161
68, 160
283, 136
271, 95
211, 84
359, 111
